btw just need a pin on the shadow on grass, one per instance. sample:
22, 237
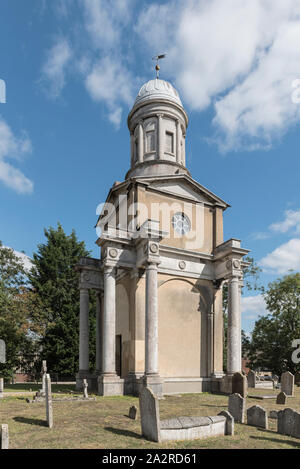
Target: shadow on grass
277, 440
41, 423
118, 431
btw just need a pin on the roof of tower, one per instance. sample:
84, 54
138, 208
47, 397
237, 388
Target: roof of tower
158, 89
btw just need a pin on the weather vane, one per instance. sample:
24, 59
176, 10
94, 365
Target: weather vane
157, 67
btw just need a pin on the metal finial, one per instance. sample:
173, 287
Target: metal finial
157, 67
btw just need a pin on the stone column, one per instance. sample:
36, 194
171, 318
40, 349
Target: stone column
99, 339
210, 342
151, 378
178, 142
84, 331
141, 143
160, 137
234, 358
109, 384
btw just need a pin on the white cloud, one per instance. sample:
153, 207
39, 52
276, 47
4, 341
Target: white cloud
104, 20
239, 56
292, 220
284, 258
54, 68
110, 82
253, 306
13, 147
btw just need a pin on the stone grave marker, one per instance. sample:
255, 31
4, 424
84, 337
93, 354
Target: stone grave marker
133, 411
287, 383
251, 377
2, 351
281, 398
44, 373
229, 429
239, 384
149, 411
237, 407
289, 423
257, 417
4, 437
85, 389
49, 409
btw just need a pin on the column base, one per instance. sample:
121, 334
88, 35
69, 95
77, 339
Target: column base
153, 382
226, 384
133, 384
110, 385
91, 380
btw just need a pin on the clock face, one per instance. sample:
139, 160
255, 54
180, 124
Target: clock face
181, 223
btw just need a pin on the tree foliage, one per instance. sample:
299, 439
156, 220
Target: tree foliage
55, 282
273, 335
16, 327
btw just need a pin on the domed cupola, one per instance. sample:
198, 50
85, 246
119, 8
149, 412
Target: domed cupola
157, 125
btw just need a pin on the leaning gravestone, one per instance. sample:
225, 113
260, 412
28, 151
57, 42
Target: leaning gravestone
257, 417
237, 407
297, 378
4, 437
1, 388
251, 377
149, 412
287, 383
49, 410
281, 398
239, 384
289, 423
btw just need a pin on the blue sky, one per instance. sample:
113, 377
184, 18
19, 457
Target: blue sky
72, 69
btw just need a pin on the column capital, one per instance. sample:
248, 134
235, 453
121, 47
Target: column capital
84, 291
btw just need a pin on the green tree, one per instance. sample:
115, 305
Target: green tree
251, 275
273, 335
55, 282
16, 328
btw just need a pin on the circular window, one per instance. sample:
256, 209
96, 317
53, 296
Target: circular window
181, 223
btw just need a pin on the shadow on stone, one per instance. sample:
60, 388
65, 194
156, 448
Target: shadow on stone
118, 431
41, 423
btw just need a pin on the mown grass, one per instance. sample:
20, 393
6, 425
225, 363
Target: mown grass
104, 423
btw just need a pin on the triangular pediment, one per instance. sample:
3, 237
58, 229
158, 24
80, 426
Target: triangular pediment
183, 186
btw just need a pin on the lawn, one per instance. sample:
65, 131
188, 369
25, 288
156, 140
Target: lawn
104, 423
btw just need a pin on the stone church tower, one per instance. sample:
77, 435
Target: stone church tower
162, 267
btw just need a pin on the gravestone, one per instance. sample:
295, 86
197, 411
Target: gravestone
149, 415
1, 388
49, 409
287, 383
237, 407
251, 377
273, 414
133, 412
2, 351
297, 378
85, 389
4, 437
229, 429
257, 417
289, 423
44, 373
281, 398
239, 384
